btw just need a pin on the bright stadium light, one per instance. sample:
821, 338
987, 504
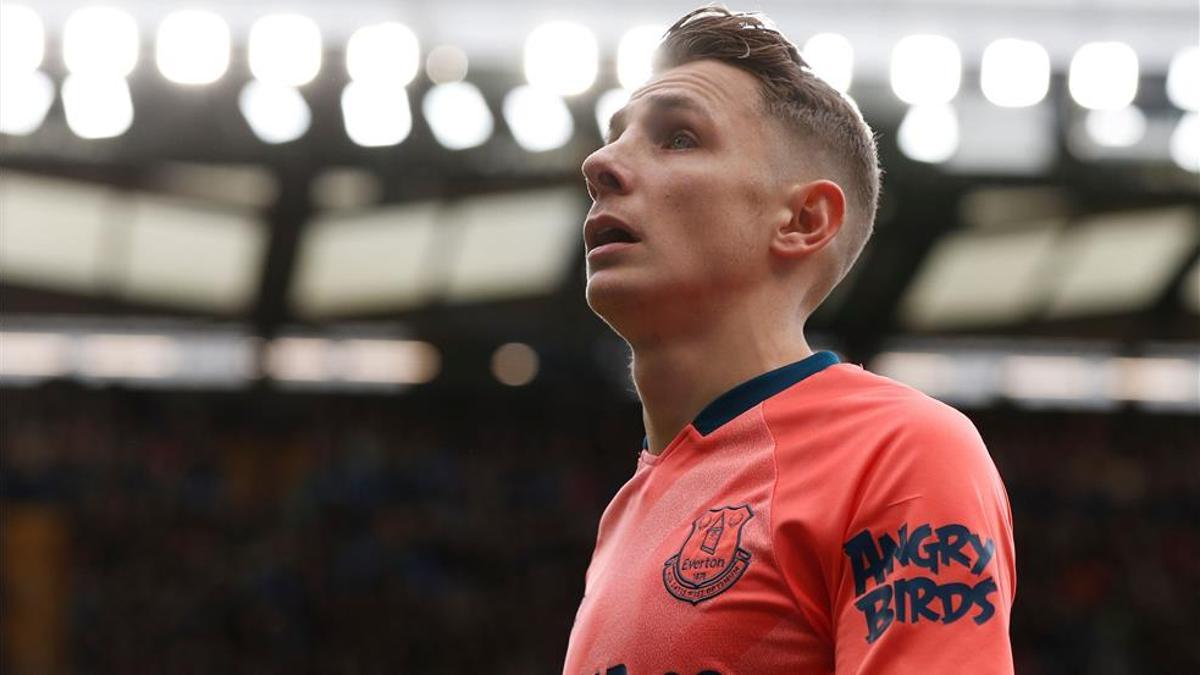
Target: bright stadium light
1014, 73
375, 114
561, 57
1103, 75
275, 113
926, 69
634, 54
607, 105
539, 120
515, 364
446, 64
34, 355
192, 47
1183, 79
1118, 128
386, 53
376, 361
22, 39
1185, 143
831, 57
24, 100
100, 41
97, 106
458, 115
118, 356
929, 133
285, 49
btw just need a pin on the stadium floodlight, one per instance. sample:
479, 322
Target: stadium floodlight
24, 100
285, 49
458, 115
831, 57
446, 64
381, 361
607, 105
100, 41
192, 47
22, 39
97, 106
1155, 379
376, 114
297, 359
561, 57
1103, 75
275, 113
384, 53
1014, 73
515, 364
539, 120
30, 355
118, 356
1183, 79
1185, 142
929, 133
1120, 128
634, 54
926, 69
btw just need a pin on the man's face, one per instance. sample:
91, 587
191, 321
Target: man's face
687, 168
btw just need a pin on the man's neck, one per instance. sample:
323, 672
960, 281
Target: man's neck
677, 378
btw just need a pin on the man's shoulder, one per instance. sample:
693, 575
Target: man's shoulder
851, 391
865, 419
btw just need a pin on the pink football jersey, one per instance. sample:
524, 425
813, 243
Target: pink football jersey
815, 519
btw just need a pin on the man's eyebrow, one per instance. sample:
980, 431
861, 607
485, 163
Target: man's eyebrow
658, 103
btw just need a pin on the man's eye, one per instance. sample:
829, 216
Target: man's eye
681, 140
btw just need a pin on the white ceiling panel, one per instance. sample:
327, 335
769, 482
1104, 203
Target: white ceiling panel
195, 257
514, 244
54, 233
1121, 261
383, 259
980, 279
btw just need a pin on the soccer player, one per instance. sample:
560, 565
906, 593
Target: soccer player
788, 513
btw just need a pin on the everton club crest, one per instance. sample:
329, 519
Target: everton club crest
711, 558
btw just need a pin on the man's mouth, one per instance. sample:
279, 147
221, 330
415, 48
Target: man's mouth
611, 235
602, 230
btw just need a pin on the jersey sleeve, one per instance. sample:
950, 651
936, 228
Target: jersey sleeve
927, 576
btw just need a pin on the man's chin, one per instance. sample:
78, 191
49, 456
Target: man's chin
610, 294
627, 302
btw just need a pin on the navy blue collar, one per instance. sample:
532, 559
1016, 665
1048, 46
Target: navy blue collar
750, 393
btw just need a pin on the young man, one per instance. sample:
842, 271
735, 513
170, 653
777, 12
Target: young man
788, 513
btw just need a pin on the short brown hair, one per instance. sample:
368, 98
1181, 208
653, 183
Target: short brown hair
828, 122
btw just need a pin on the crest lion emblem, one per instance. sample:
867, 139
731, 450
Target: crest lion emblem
711, 559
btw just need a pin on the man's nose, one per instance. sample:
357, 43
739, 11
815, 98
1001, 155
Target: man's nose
604, 174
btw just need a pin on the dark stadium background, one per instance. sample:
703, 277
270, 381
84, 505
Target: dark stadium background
316, 407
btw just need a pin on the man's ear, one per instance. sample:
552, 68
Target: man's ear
817, 209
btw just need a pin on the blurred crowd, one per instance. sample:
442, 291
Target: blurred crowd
267, 532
